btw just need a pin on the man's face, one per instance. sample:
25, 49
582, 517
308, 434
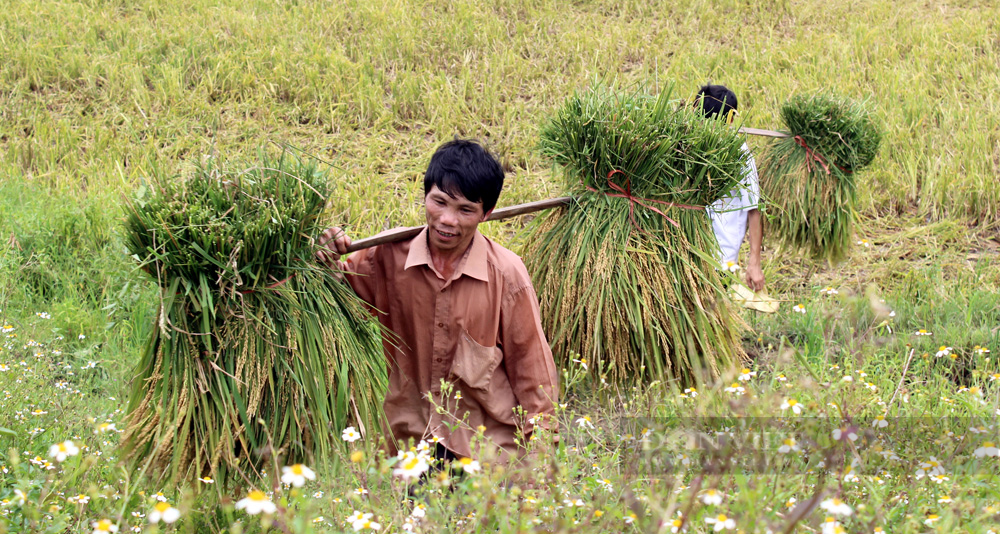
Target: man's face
451, 220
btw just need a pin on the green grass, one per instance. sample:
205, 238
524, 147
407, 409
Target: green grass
95, 95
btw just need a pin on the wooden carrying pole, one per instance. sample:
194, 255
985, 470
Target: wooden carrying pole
399, 234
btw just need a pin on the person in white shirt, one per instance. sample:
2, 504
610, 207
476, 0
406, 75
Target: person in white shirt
738, 213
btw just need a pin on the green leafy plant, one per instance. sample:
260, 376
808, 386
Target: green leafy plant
809, 177
256, 352
626, 274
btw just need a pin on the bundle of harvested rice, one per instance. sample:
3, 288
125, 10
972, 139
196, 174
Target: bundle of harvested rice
809, 178
255, 353
627, 275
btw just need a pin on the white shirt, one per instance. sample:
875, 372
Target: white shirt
729, 214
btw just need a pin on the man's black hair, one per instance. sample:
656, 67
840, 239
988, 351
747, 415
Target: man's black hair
463, 166
717, 100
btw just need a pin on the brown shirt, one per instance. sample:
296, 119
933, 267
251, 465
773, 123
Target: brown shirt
480, 330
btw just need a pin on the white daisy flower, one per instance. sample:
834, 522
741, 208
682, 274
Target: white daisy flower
793, 405
469, 465
164, 512
789, 445
845, 433
61, 451
104, 526
411, 466
836, 507
711, 497
350, 435
721, 522
296, 475
255, 503
929, 468
988, 449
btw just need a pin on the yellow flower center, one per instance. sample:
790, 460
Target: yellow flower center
63, 448
721, 518
104, 524
989, 444
257, 495
466, 461
297, 469
792, 402
411, 463
162, 507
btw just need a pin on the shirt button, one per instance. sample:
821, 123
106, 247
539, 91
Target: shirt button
437, 393
440, 325
439, 360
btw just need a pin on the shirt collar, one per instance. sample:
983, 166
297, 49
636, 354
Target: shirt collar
474, 264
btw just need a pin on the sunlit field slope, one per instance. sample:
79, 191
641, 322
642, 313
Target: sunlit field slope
871, 397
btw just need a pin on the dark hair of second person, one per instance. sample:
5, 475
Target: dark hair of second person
717, 101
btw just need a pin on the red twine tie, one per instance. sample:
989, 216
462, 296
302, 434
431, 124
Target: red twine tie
626, 192
812, 155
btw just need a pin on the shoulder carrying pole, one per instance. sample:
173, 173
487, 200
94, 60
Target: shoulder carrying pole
399, 234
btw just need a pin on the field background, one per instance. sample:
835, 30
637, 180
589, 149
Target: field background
95, 95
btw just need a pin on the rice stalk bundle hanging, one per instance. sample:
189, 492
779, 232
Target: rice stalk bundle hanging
810, 178
626, 275
256, 353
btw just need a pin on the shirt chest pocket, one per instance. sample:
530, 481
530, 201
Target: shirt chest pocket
475, 364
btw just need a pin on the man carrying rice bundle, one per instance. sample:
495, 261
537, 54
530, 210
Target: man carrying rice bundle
736, 214
465, 313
